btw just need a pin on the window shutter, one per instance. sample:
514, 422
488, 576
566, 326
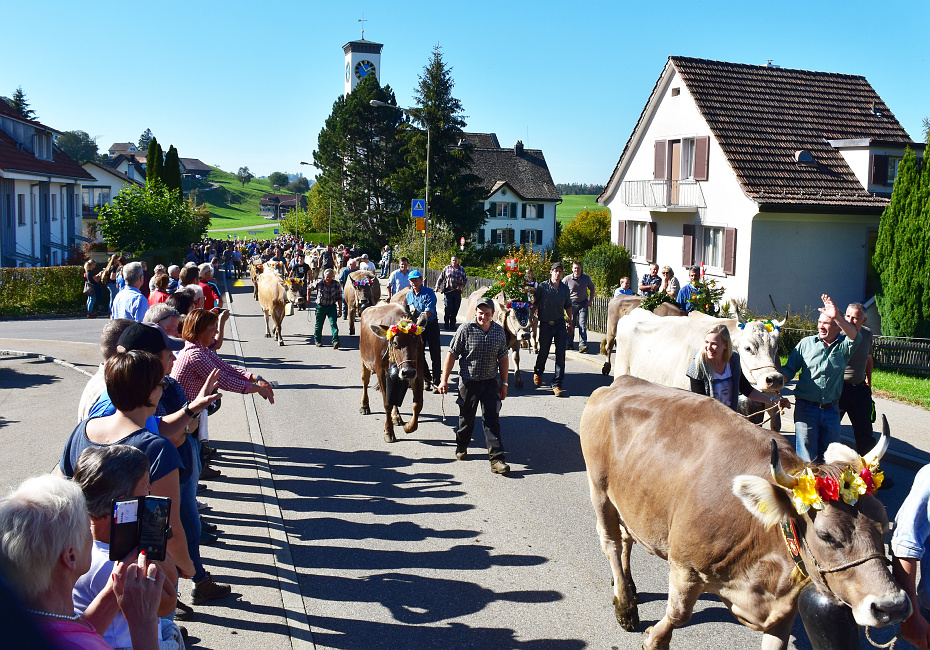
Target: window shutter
729, 251
879, 170
493, 235
493, 210
659, 171
621, 233
524, 210
539, 237
481, 236
651, 242
523, 236
687, 244
540, 210
514, 207
701, 157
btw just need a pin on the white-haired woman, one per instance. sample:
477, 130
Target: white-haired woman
45, 546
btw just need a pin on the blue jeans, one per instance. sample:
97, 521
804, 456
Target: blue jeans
190, 516
814, 429
113, 291
547, 333
580, 320
91, 301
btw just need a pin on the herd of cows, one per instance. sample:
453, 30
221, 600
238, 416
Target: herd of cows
692, 481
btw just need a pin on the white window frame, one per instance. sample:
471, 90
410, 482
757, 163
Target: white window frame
893, 162
531, 235
502, 239
20, 209
503, 210
687, 159
636, 239
713, 248
531, 212
54, 206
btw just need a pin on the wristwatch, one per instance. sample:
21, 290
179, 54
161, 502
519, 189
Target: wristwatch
258, 378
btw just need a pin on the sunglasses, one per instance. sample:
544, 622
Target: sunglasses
174, 314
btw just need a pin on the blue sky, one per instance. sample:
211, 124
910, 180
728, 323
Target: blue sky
244, 83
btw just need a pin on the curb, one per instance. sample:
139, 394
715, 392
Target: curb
42, 357
295, 612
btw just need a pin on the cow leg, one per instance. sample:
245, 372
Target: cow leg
366, 375
388, 410
616, 544
278, 333
517, 375
395, 416
776, 638
684, 588
607, 347
417, 406
352, 321
267, 324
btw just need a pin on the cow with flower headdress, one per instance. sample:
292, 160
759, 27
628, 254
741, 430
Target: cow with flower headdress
391, 347
362, 290
734, 511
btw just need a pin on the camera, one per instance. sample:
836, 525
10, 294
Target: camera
140, 522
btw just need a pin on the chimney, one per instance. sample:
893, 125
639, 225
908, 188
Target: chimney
518, 148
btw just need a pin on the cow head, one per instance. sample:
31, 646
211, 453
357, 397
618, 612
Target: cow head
295, 291
404, 345
514, 325
838, 526
364, 292
757, 345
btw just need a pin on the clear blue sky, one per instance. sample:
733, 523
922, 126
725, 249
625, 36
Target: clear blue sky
244, 83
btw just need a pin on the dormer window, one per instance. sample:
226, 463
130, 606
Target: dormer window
805, 158
42, 145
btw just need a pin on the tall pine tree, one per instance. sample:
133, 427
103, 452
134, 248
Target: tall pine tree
454, 192
153, 162
21, 105
903, 296
171, 172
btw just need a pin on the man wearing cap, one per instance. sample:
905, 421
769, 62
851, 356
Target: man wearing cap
480, 345
451, 282
553, 304
328, 304
366, 265
421, 301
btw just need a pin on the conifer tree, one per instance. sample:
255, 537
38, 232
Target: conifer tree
153, 162
171, 171
21, 105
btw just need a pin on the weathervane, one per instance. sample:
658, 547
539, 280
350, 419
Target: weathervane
363, 21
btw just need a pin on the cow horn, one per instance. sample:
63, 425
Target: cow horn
778, 472
781, 323
879, 450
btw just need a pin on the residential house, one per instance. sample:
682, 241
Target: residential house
192, 168
521, 197
130, 164
107, 184
773, 179
275, 206
124, 148
40, 194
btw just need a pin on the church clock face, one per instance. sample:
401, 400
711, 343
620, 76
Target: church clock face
364, 68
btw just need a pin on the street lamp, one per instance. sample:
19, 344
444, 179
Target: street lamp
330, 234
410, 112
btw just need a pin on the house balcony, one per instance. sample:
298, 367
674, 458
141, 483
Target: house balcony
663, 196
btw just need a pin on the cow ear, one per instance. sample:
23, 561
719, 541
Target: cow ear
379, 330
767, 502
837, 452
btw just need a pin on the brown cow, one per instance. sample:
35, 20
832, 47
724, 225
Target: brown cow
620, 306
691, 481
296, 292
271, 298
256, 268
361, 291
379, 352
400, 298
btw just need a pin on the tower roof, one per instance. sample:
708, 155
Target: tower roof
364, 46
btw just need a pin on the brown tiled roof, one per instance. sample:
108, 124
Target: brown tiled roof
761, 116
195, 165
6, 109
482, 140
121, 146
12, 158
527, 174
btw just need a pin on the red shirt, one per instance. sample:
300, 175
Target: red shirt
209, 296
156, 297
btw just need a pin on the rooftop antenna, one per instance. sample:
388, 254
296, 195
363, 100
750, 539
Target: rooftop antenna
363, 21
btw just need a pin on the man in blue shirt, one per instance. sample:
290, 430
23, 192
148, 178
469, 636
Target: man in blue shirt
399, 279
129, 302
422, 300
822, 361
908, 547
689, 289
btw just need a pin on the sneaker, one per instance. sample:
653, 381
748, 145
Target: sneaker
208, 589
206, 527
209, 472
336, 345
557, 391
183, 612
582, 348
537, 380
201, 506
201, 487
461, 455
498, 466
207, 539
319, 344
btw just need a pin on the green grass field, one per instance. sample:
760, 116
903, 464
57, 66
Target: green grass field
231, 204
913, 389
572, 204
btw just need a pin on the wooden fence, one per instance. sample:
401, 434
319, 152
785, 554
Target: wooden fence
908, 355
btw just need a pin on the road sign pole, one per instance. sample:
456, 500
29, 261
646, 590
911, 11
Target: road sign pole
426, 203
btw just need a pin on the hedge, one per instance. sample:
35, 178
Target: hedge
42, 290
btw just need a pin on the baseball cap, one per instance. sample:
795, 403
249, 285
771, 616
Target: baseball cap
486, 302
555, 265
365, 256
148, 337
414, 274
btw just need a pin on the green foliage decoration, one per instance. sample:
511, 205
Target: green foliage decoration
707, 297
42, 290
511, 283
606, 263
587, 230
649, 303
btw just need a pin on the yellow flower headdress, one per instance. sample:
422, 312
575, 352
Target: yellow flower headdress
406, 326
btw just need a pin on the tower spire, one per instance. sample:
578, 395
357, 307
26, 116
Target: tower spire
363, 21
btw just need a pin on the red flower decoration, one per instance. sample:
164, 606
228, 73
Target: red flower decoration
828, 488
866, 476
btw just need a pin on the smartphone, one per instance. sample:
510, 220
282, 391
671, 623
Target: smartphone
140, 522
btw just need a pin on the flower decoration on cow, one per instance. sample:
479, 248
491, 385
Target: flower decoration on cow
406, 326
510, 281
817, 492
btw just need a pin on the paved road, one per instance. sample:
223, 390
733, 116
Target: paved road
394, 546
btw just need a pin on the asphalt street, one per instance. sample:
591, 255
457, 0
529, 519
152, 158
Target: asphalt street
371, 545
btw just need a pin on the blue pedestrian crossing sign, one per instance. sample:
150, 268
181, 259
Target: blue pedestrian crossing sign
276, 231
418, 208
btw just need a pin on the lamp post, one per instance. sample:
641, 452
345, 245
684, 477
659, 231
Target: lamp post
376, 103
330, 234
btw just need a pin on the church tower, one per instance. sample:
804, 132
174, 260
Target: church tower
362, 59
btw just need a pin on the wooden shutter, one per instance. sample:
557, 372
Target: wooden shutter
879, 170
651, 242
514, 210
729, 251
523, 233
481, 236
492, 211
687, 244
493, 235
621, 233
539, 237
524, 210
701, 157
659, 171
540, 210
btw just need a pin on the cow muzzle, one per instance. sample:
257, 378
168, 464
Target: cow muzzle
772, 381
523, 336
879, 611
407, 370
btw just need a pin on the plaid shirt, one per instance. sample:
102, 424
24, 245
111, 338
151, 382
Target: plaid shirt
328, 295
654, 281
195, 362
479, 352
451, 279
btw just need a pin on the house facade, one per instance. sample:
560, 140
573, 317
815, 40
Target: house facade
106, 184
40, 194
773, 179
275, 206
521, 196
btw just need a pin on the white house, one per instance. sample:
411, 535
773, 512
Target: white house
774, 179
106, 184
521, 197
40, 194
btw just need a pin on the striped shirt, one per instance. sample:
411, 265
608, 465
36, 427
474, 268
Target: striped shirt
479, 352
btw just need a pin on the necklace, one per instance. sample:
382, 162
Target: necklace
64, 616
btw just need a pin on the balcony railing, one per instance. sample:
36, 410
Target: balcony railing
662, 194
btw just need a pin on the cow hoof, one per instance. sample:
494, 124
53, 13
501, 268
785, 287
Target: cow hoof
390, 437
397, 420
365, 410
628, 618
410, 427
281, 343
267, 336
605, 370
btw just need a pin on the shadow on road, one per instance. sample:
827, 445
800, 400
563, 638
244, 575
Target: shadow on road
10, 378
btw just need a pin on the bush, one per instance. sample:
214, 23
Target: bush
441, 245
796, 327
587, 230
42, 290
606, 263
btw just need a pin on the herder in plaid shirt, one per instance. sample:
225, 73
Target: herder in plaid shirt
328, 304
451, 281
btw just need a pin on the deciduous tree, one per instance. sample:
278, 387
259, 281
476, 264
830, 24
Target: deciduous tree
277, 178
244, 175
78, 145
587, 230
300, 186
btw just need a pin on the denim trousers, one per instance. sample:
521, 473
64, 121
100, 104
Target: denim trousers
548, 333
190, 516
580, 320
814, 429
113, 291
